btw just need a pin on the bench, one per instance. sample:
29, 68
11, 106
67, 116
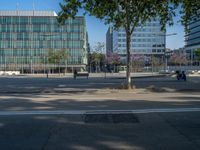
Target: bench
81, 74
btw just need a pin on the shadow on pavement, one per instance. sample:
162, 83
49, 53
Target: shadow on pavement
152, 132
50, 132
27, 103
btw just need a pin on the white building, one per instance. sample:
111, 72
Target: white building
147, 39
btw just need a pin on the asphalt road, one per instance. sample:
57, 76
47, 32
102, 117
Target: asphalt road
24, 125
31, 85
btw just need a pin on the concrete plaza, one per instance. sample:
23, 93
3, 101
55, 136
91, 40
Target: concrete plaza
45, 114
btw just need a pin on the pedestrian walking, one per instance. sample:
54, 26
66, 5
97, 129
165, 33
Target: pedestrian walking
75, 73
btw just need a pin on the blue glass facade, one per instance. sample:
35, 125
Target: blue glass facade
192, 38
146, 39
27, 36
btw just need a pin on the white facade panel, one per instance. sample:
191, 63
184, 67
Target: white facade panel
146, 39
27, 13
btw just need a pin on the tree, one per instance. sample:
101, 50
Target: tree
155, 63
99, 47
96, 59
60, 56
197, 54
138, 61
113, 59
56, 57
131, 13
51, 57
178, 58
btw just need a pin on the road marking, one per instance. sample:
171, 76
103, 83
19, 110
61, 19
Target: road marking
81, 112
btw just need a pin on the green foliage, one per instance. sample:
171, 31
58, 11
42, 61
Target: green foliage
197, 54
189, 8
131, 13
60, 56
57, 57
96, 58
121, 13
51, 57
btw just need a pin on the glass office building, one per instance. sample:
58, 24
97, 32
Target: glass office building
147, 39
192, 39
26, 37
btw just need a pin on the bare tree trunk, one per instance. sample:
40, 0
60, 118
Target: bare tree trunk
128, 72
96, 66
59, 69
129, 30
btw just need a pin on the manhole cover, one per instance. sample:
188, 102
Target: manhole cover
110, 118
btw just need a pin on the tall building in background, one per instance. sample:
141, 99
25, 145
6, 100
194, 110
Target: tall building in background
109, 40
147, 39
27, 36
192, 39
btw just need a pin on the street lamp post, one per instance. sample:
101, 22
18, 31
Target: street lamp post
165, 51
165, 48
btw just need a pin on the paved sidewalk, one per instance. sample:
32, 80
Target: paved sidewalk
66, 114
174, 131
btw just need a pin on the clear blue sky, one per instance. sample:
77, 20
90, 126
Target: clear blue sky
96, 29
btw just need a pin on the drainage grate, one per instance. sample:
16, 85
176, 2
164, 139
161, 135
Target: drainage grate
110, 118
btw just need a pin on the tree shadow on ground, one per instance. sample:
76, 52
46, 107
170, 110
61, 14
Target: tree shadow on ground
27, 103
72, 133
